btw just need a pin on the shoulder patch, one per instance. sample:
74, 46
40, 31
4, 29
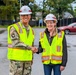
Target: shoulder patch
12, 29
19, 27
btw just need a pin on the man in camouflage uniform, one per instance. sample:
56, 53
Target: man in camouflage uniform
20, 67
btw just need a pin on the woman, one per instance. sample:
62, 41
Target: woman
53, 46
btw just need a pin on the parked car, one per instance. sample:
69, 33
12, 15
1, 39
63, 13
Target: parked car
69, 28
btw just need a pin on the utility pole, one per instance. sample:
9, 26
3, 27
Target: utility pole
43, 12
43, 9
20, 3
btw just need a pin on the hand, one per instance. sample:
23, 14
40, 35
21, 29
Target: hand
34, 49
62, 68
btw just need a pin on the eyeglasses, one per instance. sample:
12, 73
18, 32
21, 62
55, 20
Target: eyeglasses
50, 22
24, 15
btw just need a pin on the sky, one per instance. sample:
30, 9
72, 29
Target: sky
73, 5
38, 1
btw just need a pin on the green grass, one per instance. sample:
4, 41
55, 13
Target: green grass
3, 26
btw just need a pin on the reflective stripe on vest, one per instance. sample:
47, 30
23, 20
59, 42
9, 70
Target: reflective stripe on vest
54, 51
9, 45
53, 57
20, 29
45, 58
57, 58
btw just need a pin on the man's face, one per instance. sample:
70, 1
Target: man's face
50, 25
25, 18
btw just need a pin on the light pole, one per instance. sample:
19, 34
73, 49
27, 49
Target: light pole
20, 3
43, 11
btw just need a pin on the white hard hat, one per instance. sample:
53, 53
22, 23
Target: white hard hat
25, 10
50, 17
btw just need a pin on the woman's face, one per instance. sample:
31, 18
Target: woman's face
50, 25
25, 19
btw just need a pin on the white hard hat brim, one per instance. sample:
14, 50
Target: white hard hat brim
50, 19
23, 13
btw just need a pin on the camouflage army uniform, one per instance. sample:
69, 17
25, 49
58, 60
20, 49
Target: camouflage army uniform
19, 67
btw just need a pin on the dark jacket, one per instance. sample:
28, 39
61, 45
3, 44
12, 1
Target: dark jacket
64, 57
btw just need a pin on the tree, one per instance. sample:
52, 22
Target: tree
75, 12
26, 2
59, 6
7, 10
3, 12
10, 2
35, 8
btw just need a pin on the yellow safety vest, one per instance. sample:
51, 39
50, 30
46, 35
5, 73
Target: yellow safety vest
18, 53
52, 54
